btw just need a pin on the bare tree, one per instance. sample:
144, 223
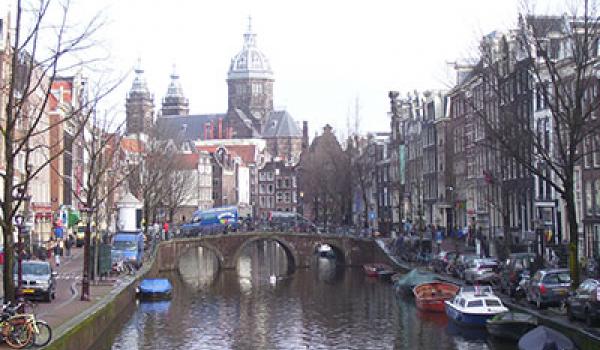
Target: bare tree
104, 175
178, 183
41, 47
555, 57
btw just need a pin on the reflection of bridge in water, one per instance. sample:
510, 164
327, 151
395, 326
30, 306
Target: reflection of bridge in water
299, 248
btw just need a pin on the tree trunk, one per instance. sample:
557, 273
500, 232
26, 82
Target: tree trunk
573, 232
508, 241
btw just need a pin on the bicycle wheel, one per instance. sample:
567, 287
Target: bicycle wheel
43, 335
20, 335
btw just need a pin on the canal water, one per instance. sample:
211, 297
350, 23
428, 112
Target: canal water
262, 306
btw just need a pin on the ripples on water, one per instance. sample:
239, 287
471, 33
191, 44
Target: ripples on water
320, 308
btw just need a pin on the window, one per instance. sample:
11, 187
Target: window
279, 197
475, 303
492, 302
597, 185
588, 198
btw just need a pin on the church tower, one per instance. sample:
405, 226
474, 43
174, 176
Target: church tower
139, 105
174, 102
250, 83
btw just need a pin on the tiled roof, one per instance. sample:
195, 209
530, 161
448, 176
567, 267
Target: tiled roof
281, 124
132, 145
187, 161
186, 127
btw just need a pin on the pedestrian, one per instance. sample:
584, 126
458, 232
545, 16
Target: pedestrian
57, 254
68, 244
165, 230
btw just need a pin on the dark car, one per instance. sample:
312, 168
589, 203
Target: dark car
585, 302
549, 286
38, 279
441, 260
513, 268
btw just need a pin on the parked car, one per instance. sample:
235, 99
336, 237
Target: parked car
38, 279
585, 302
512, 270
442, 259
481, 271
461, 264
549, 286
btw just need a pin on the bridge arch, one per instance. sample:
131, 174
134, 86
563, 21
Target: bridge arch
290, 251
340, 252
189, 247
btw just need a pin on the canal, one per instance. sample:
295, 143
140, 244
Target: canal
261, 306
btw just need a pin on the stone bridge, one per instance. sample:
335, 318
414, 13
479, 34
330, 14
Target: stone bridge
300, 248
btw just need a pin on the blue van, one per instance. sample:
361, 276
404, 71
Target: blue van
211, 221
128, 247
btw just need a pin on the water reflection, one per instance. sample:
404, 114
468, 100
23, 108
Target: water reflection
324, 307
198, 267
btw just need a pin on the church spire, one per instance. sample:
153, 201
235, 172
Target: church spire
139, 82
139, 104
175, 102
249, 36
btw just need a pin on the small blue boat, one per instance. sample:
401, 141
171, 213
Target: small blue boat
155, 289
474, 307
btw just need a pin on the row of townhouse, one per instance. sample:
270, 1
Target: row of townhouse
53, 150
446, 169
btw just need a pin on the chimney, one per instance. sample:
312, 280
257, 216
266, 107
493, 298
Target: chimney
229, 132
205, 131
304, 135
212, 130
220, 130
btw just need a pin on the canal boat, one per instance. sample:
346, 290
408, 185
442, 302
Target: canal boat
372, 270
431, 296
542, 338
474, 307
511, 325
406, 283
155, 289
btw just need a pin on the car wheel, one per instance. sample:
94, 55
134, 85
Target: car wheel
53, 295
48, 297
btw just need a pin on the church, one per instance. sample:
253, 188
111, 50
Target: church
250, 113
265, 141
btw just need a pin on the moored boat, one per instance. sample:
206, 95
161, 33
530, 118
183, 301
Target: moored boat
155, 289
407, 282
372, 270
511, 325
542, 338
431, 296
474, 308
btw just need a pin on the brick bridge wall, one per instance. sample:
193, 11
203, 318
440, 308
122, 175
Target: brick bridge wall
300, 248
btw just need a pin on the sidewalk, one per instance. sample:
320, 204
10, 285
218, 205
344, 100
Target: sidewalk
67, 306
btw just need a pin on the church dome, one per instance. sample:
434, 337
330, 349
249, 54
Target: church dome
250, 62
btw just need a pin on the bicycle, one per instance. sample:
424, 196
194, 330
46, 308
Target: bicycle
42, 332
16, 331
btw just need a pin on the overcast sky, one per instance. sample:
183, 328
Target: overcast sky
324, 53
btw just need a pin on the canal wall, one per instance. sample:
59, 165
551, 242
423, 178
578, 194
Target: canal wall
86, 329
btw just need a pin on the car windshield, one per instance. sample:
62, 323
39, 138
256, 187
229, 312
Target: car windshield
34, 269
124, 245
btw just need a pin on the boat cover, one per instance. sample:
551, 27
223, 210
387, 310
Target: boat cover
155, 285
544, 338
414, 278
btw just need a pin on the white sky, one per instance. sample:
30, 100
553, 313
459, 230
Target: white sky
323, 53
